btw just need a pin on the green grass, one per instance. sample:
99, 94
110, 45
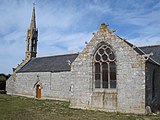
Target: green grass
23, 108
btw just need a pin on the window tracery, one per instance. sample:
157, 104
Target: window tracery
105, 68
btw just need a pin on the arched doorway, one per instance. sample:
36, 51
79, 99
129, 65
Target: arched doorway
38, 91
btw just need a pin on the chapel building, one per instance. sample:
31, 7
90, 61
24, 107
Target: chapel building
109, 74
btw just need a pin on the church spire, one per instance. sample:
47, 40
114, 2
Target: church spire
32, 37
33, 20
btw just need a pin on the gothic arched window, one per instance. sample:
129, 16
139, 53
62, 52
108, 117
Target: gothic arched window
104, 68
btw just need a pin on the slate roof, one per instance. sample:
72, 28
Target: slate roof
57, 63
155, 49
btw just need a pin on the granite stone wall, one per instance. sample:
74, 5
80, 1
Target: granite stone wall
129, 96
54, 85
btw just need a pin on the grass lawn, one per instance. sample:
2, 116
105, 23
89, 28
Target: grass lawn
23, 108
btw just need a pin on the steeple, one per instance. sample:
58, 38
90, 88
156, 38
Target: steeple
33, 20
32, 37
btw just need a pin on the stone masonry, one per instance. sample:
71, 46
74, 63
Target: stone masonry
129, 96
77, 85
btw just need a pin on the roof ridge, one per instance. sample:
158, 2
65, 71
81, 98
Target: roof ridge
57, 55
149, 46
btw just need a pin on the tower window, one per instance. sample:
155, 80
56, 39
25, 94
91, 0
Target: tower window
105, 68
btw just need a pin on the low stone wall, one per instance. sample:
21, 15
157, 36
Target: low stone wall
53, 85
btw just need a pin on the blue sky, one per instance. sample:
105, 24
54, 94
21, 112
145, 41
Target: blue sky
65, 25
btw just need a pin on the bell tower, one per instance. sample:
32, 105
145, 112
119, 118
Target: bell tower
32, 37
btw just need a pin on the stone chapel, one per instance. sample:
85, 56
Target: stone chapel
109, 74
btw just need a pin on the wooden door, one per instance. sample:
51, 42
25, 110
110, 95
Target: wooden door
38, 91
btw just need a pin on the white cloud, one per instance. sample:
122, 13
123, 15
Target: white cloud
64, 26
64, 43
